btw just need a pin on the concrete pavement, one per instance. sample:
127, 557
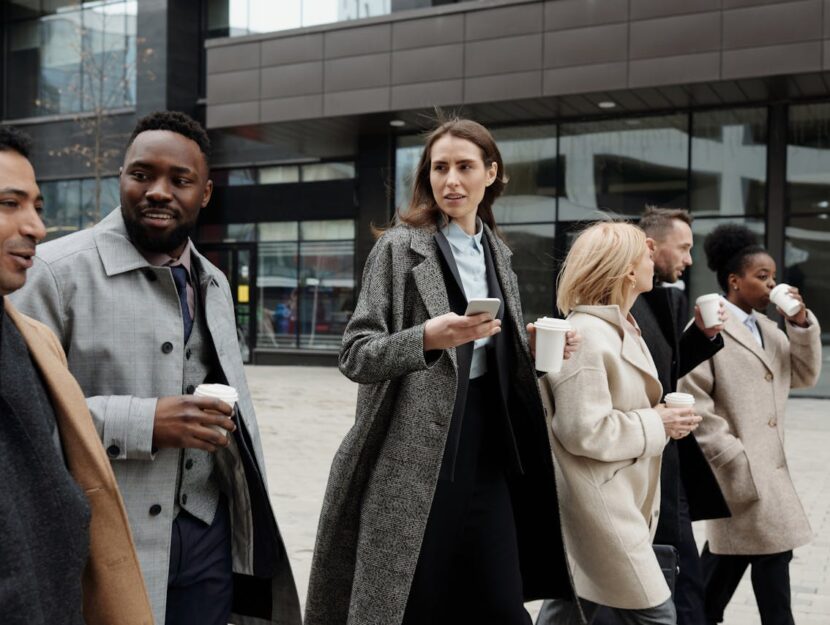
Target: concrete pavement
304, 412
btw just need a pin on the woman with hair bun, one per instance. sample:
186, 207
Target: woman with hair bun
741, 393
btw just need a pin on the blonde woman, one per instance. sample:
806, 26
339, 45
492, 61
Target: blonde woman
608, 433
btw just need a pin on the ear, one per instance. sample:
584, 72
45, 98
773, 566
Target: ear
492, 173
207, 193
651, 244
732, 281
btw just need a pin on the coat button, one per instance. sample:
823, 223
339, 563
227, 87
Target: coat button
167, 347
184, 499
190, 388
155, 510
113, 451
772, 422
768, 376
188, 464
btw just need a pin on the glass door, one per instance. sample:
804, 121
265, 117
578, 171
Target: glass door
238, 262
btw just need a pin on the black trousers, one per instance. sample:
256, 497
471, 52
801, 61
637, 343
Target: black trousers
770, 583
468, 567
200, 582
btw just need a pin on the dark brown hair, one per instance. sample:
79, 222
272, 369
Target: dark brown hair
423, 211
658, 221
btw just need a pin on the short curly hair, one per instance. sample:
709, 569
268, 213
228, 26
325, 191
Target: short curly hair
14, 140
177, 122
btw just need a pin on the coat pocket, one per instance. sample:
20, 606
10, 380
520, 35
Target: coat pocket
736, 480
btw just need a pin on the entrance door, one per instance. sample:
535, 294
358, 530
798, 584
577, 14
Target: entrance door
238, 261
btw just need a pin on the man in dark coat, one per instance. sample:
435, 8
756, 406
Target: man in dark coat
689, 489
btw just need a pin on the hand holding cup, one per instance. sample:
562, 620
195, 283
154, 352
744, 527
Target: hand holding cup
789, 303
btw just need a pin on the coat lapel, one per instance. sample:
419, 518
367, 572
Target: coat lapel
429, 279
743, 336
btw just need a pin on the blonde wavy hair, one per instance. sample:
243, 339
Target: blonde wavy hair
595, 270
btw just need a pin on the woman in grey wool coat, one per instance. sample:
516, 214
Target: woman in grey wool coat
441, 505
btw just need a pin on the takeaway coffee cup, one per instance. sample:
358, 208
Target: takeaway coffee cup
679, 400
709, 309
224, 392
550, 343
780, 296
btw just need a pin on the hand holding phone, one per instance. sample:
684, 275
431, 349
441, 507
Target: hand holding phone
489, 305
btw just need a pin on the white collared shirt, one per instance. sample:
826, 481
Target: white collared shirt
749, 320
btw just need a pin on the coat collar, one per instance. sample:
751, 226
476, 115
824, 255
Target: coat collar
632, 351
738, 331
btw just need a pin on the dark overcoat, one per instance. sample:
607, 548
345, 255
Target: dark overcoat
660, 315
385, 472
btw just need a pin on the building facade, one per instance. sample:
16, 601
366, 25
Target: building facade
315, 112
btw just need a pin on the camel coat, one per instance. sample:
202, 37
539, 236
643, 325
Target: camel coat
607, 443
741, 393
113, 589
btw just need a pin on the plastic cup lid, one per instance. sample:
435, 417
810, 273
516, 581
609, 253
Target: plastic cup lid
708, 297
551, 323
680, 398
224, 392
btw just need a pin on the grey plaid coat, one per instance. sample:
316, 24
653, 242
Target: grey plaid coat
112, 312
385, 472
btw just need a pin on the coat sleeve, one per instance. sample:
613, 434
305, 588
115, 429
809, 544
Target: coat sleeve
805, 353
373, 350
696, 347
587, 424
124, 422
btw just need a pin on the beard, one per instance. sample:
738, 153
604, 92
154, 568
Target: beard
143, 239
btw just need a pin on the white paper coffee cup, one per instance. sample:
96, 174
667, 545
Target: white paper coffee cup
709, 309
227, 394
550, 343
679, 400
780, 296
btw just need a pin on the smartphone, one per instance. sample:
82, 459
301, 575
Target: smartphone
488, 305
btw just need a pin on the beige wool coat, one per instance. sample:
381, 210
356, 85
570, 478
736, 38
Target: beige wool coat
741, 393
607, 444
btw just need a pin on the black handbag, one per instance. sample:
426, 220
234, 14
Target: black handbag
669, 560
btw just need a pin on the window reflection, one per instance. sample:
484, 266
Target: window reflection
620, 165
234, 18
534, 264
70, 59
72, 205
729, 162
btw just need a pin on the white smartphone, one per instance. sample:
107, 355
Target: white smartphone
488, 305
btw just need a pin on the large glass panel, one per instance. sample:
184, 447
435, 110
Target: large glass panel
729, 162
533, 262
327, 282
97, 200
72, 59
232, 18
620, 165
62, 212
328, 171
277, 281
406, 160
529, 155
279, 174
807, 258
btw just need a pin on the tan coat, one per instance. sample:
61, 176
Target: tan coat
741, 394
113, 589
608, 443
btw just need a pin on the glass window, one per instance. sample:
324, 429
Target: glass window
279, 174
406, 161
328, 171
277, 282
534, 264
618, 166
327, 292
808, 160
233, 18
729, 162
71, 59
71, 205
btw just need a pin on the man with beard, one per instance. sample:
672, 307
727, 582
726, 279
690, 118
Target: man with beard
65, 546
144, 319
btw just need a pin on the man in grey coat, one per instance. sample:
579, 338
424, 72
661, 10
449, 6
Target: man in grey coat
144, 319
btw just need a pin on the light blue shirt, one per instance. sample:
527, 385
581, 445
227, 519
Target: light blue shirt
468, 253
749, 320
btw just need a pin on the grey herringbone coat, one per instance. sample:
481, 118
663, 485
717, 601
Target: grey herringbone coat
385, 472
119, 321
